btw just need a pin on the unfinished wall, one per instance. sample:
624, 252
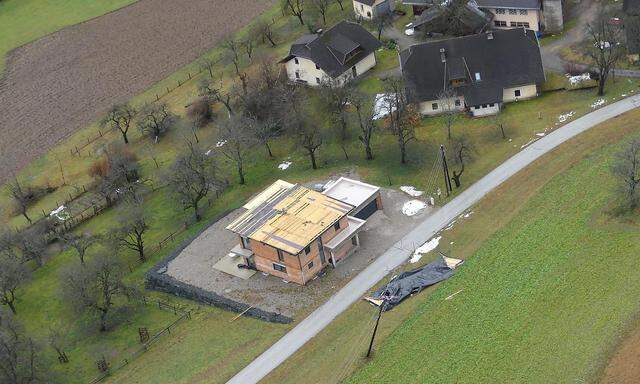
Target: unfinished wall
553, 18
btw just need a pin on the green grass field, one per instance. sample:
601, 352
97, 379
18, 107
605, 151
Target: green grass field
22, 21
339, 350
543, 300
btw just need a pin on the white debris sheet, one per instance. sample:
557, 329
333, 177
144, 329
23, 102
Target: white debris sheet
413, 207
60, 213
221, 143
424, 249
598, 103
565, 116
574, 80
411, 190
383, 105
284, 165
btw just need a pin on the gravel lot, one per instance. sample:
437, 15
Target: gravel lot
64, 81
195, 264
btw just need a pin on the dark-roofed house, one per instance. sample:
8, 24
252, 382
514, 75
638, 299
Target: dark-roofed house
341, 53
370, 9
531, 14
482, 71
437, 18
418, 6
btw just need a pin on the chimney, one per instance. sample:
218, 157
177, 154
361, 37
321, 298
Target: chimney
489, 35
443, 57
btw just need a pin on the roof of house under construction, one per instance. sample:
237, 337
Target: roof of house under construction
288, 217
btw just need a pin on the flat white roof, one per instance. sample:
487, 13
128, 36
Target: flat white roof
351, 191
354, 225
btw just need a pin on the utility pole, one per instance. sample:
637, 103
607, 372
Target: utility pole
445, 169
375, 329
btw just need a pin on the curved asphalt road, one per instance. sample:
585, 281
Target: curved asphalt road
402, 250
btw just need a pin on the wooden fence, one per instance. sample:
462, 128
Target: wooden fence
144, 347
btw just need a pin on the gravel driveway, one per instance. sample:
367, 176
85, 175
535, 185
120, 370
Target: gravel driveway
66, 80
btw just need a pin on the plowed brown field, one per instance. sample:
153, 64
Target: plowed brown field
64, 81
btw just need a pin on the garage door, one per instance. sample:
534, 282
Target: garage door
368, 210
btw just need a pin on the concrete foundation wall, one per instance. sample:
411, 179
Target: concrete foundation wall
526, 92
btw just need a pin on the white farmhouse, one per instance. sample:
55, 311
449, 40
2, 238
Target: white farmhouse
369, 9
341, 53
476, 73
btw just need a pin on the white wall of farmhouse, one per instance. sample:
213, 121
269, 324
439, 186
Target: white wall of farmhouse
436, 107
307, 71
526, 92
505, 19
368, 12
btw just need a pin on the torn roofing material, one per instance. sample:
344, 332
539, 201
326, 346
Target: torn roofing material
289, 218
408, 283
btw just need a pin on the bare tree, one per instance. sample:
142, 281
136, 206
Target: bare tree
232, 48
20, 362
120, 117
336, 97
264, 29
604, 48
115, 173
340, 3
78, 242
293, 8
199, 113
21, 196
94, 287
365, 114
627, 170
248, 45
498, 122
402, 119
208, 63
462, 149
294, 114
13, 272
155, 119
237, 138
447, 98
192, 176
213, 92
58, 340
32, 243
132, 226
380, 23
322, 7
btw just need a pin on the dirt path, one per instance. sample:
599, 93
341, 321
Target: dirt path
64, 81
624, 366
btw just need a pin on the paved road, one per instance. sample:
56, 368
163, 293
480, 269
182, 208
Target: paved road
402, 250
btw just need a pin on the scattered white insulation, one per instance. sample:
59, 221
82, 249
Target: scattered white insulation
284, 165
424, 249
411, 190
413, 207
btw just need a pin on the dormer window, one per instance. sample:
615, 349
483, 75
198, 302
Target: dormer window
317, 66
478, 78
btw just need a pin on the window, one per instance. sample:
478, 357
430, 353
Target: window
297, 75
434, 106
523, 12
279, 267
513, 11
484, 105
245, 242
368, 14
318, 80
517, 93
501, 11
491, 105
317, 66
310, 265
280, 255
354, 241
478, 78
457, 102
500, 23
520, 24
307, 250
336, 226
295, 60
